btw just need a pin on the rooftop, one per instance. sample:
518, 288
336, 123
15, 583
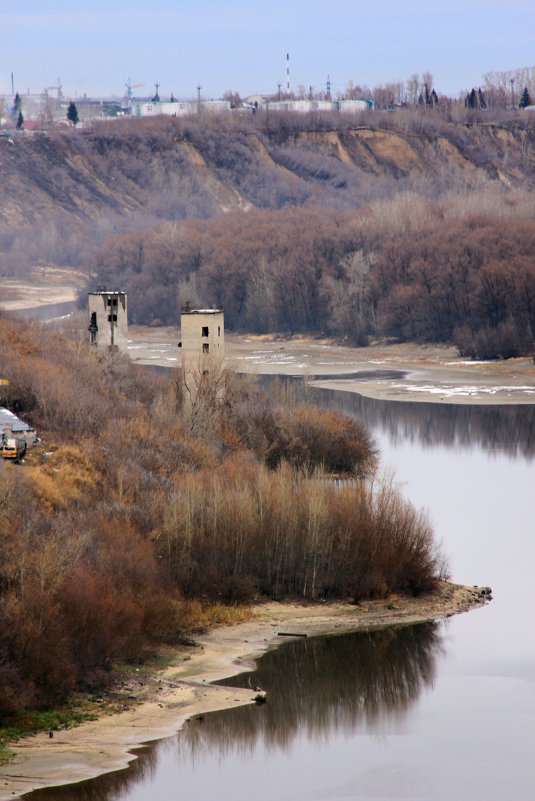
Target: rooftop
10, 421
105, 291
202, 311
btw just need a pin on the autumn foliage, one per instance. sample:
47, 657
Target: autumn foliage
137, 506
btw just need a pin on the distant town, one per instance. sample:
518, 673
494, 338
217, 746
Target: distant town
50, 108
27, 111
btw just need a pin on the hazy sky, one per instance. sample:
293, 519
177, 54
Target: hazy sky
94, 47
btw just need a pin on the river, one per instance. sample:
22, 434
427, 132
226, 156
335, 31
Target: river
436, 711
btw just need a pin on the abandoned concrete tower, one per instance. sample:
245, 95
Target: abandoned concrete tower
108, 324
203, 337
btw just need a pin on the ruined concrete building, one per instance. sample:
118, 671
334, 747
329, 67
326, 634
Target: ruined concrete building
203, 337
108, 323
203, 351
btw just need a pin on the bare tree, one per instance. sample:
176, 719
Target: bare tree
349, 298
412, 89
427, 80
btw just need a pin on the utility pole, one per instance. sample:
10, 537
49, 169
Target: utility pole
512, 92
12, 85
199, 87
279, 95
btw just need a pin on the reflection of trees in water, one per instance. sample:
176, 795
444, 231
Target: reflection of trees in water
107, 787
315, 685
323, 685
509, 429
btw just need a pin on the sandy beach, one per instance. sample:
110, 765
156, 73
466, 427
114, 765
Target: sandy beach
169, 697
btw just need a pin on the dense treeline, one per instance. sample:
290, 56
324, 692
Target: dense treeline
145, 503
472, 282
439, 272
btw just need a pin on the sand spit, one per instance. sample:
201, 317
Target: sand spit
174, 694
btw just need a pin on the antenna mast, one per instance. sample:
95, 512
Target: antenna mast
288, 73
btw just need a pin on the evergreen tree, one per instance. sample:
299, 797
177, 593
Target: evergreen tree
482, 101
72, 113
20, 120
434, 98
17, 105
525, 100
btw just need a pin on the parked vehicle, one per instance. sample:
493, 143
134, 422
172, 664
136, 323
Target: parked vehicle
14, 449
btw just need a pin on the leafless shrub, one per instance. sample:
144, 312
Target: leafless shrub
288, 534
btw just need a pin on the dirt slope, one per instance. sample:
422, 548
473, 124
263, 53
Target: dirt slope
173, 173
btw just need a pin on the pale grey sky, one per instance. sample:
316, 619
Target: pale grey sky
242, 45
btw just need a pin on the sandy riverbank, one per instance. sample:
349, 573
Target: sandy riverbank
44, 287
400, 372
172, 695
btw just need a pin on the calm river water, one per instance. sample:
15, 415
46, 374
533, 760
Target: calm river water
431, 712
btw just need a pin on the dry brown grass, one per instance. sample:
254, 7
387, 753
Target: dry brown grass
67, 477
196, 615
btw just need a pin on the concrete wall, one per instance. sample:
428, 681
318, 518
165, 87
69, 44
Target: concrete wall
108, 312
203, 337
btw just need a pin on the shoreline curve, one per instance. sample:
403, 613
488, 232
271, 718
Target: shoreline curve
178, 692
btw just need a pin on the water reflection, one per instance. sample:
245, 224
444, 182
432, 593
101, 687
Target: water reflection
315, 686
508, 429
326, 684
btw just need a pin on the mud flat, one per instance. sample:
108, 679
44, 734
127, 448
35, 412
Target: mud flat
169, 697
400, 372
45, 287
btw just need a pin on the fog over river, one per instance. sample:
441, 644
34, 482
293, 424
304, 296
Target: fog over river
431, 712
